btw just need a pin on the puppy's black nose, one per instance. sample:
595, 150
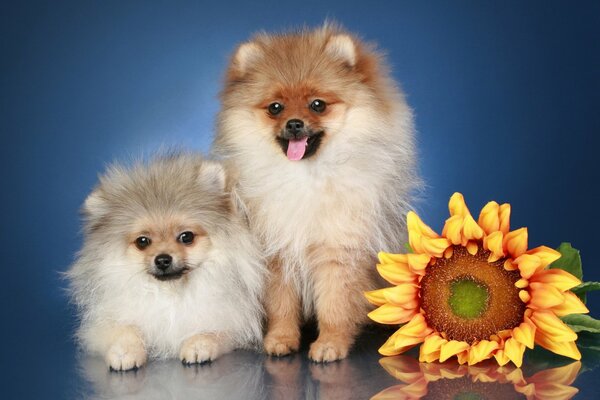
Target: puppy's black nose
163, 261
294, 125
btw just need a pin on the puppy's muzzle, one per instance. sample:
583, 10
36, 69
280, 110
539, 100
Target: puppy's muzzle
294, 129
165, 269
163, 261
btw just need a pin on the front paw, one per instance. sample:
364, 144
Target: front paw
123, 356
199, 349
280, 345
328, 350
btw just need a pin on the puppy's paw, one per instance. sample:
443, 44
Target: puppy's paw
323, 350
200, 348
126, 355
280, 345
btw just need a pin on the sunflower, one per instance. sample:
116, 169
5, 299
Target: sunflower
451, 381
475, 292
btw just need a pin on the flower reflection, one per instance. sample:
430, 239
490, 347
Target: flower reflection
483, 381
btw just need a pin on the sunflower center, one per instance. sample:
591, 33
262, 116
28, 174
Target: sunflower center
469, 299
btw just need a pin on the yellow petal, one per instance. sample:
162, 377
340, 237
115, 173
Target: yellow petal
432, 344
389, 347
567, 349
436, 247
493, 243
509, 266
525, 334
552, 327
528, 265
524, 296
546, 255
453, 229
418, 262
472, 231
514, 351
482, 351
522, 283
376, 297
407, 341
501, 358
405, 295
452, 348
505, 218
515, 242
463, 357
396, 273
391, 314
449, 251
417, 327
457, 205
428, 358
489, 218
571, 305
560, 279
414, 223
389, 258
422, 244
544, 296
472, 247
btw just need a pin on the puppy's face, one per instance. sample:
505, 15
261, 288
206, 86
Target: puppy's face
167, 248
158, 220
299, 117
297, 93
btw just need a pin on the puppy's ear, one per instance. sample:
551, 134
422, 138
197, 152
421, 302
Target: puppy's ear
342, 46
213, 175
94, 204
94, 209
245, 55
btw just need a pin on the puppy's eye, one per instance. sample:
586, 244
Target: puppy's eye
142, 242
318, 106
186, 237
275, 108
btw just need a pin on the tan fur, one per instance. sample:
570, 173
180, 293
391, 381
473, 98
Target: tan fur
322, 219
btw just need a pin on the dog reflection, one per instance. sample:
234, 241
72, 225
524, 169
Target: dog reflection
297, 378
234, 376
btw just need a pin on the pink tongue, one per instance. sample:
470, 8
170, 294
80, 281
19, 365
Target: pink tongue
296, 149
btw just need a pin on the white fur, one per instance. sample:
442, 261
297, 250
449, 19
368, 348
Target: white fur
220, 295
353, 194
343, 47
245, 55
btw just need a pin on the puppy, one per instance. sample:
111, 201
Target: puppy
320, 140
167, 268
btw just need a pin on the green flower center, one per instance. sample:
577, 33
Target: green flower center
468, 298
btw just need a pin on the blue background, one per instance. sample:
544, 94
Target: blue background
506, 97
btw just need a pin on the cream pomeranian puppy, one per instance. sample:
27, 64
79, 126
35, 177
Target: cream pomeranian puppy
320, 142
167, 268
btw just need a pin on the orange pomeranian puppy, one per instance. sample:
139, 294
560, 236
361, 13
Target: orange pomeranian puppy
320, 140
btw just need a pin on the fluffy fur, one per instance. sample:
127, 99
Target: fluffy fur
321, 220
210, 306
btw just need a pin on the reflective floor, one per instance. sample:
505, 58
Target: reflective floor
364, 375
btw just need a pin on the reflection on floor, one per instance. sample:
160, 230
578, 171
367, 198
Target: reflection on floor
364, 375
